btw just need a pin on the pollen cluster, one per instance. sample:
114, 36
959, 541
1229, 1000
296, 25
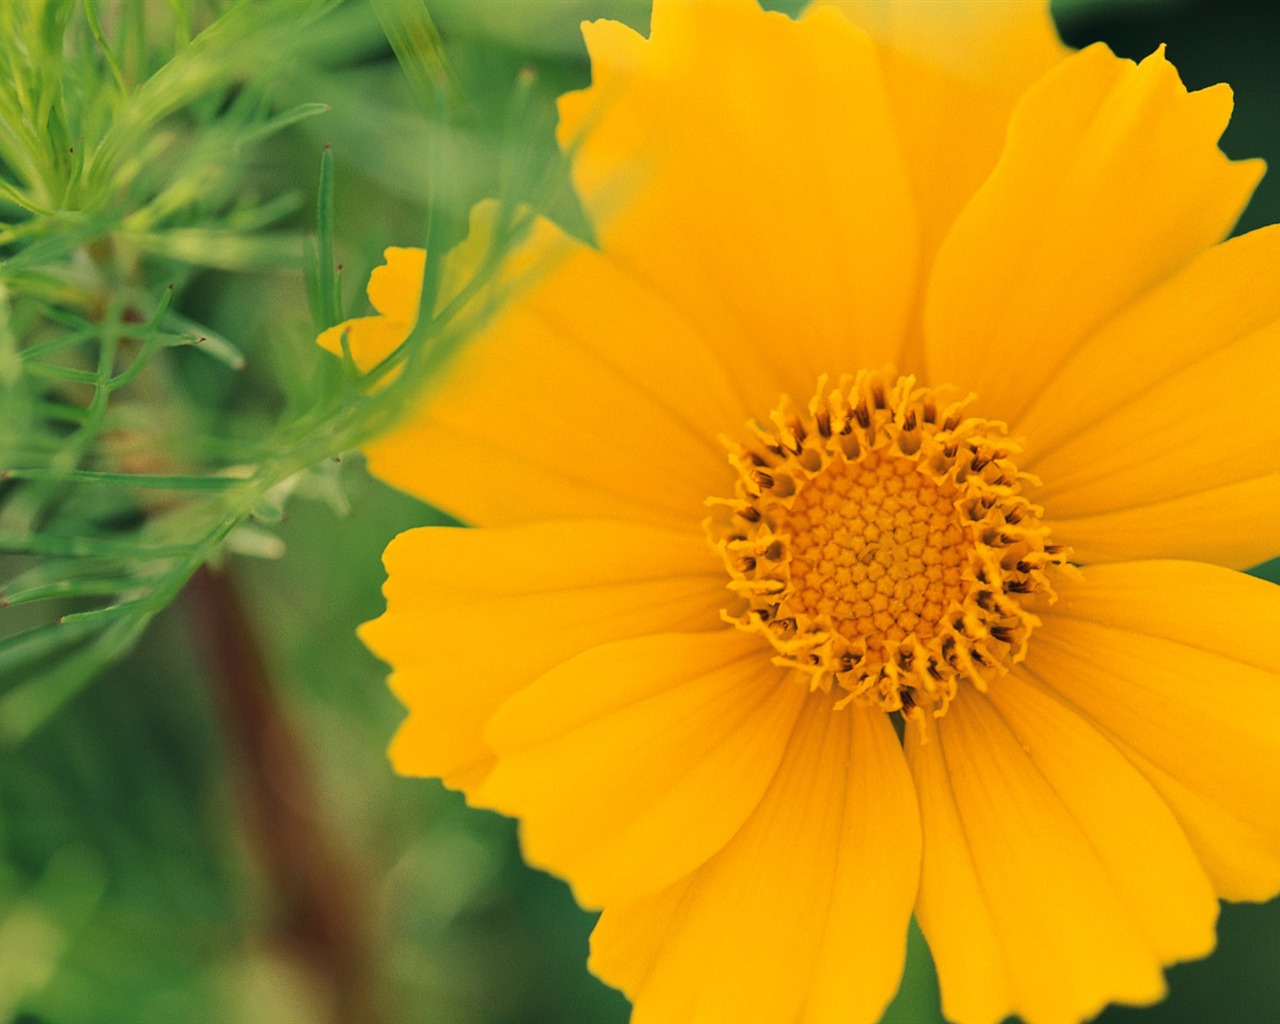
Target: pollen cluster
880, 539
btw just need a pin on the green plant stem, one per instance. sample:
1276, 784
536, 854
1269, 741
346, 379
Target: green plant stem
321, 910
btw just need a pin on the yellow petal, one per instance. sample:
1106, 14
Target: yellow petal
395, 289
634, 762
1055, 880
966, 942
1111, 180
370, 339
747, 166
474, 615
803, 916
1155, 438
1132, 831
588, 395
955, 72
1235, 525
1178, 662
997, 46
1206, 426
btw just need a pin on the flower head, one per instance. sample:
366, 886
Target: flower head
909, 385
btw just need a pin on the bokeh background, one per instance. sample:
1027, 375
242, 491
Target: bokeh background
208, 830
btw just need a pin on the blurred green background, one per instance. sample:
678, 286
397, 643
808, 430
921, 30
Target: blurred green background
209, 830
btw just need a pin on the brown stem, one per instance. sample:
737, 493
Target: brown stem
317, 913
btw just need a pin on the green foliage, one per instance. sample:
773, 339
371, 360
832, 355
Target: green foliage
128, 160
124, 129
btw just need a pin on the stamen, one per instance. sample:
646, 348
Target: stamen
888, 550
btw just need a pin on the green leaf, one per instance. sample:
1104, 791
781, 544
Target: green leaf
418, 47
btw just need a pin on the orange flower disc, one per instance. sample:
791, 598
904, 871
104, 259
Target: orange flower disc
880, 541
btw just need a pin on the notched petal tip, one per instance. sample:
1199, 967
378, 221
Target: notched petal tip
395, 288
1111, 181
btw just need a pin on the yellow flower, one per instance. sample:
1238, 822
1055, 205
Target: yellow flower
755, 478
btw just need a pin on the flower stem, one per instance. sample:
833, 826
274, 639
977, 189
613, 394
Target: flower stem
318, 918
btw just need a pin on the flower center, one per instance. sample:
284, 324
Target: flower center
880, 540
